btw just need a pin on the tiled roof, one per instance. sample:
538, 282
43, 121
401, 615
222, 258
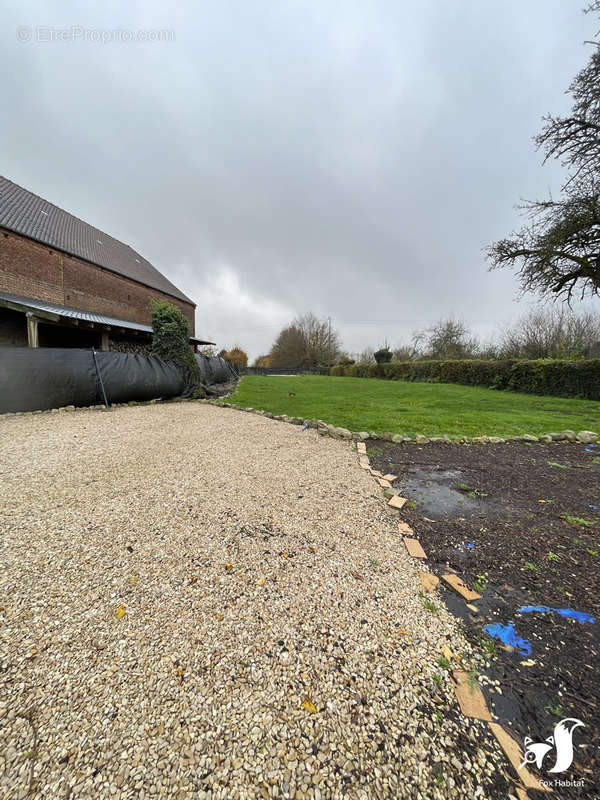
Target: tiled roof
25, 213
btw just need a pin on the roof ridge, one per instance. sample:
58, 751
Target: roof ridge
21, 220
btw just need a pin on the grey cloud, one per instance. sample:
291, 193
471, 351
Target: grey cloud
350, 158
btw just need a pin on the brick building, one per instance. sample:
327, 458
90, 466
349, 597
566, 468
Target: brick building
64, 283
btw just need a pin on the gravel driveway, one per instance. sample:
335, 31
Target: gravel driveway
202, 603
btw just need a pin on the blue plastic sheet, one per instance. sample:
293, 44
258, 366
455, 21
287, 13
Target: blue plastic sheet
580, 616
508, 635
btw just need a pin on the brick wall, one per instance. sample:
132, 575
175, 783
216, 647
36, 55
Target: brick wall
31, 269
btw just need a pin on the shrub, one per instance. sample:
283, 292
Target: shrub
545, 376
383, 355
171, 342
562, 378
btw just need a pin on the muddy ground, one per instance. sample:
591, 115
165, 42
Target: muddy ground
521, 524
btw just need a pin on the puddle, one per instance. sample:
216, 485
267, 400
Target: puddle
435, 493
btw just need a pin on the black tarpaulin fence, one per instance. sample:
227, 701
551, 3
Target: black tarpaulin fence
34, 379
215, 369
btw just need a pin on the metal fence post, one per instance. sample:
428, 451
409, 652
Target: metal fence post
99, 377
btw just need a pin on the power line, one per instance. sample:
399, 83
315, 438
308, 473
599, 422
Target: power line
411, 321
351, 323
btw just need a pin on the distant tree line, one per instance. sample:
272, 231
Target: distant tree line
546, 332
542, 333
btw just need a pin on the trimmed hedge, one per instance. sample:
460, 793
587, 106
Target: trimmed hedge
545, 376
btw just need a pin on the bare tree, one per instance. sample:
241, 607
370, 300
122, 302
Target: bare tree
322, 342
448, 339
552, 333
367, 356
557, 252
406, 352
575, 139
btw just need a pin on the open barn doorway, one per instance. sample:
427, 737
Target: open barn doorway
68, 336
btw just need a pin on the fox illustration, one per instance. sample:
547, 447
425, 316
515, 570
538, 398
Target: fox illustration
561, 741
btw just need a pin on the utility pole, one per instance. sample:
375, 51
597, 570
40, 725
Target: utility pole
329, 339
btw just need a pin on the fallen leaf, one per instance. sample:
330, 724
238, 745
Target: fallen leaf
261, 581
528, 663
304, 676
403, 632
219, 617
179, 672
309, 706
133, 578
120, 612
285, 555
228, 566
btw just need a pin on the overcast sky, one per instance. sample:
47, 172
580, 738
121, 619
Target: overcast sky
270, 158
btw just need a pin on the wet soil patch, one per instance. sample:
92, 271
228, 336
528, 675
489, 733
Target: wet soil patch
520, 524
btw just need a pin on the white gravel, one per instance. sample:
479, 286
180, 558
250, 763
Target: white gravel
259, 568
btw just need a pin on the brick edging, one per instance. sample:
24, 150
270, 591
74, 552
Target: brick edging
471, 700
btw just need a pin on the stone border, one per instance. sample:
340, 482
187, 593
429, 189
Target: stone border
334, 432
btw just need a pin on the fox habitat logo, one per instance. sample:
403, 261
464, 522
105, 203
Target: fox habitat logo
559, 745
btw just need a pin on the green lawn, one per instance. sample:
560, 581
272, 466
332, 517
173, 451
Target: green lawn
362, 404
